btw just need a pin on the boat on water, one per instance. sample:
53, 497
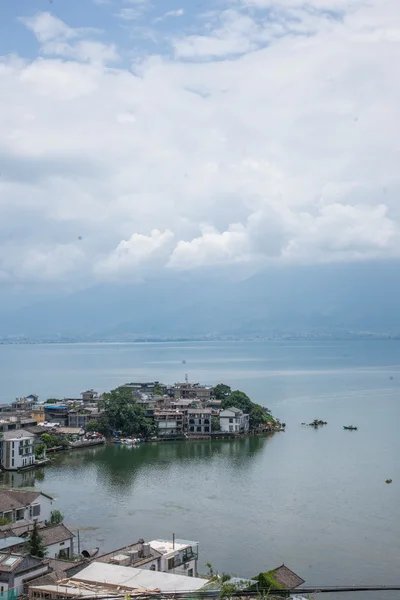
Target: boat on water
350, 427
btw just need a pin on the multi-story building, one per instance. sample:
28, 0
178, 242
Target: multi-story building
57, 413
90, 396
16, 570
233, 420
177, 556
199, 421
17, 450
80, 417
169, 422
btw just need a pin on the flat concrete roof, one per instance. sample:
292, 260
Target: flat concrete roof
129, 577
168, 547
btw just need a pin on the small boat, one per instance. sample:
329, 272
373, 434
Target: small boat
350, 427
388, 480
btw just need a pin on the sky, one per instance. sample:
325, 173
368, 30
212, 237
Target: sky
140, 137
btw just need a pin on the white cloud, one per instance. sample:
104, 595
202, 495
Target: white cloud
171, 13
133, 254
57, 39
288, 154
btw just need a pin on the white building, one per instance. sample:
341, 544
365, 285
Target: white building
233, 420
18, 506
58, 541
17, 450
177, 556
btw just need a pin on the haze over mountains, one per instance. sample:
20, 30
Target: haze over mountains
358, 297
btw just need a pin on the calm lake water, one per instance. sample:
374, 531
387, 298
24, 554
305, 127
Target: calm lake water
316, 500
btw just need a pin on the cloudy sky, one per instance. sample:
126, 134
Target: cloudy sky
140, 136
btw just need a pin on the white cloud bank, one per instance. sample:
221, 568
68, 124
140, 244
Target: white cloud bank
284, 150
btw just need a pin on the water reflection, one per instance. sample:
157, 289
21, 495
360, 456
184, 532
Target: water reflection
117, 467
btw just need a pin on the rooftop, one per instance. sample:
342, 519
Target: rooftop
287, 578
131, 578
168, 546
11, 499
55, 534
8, 542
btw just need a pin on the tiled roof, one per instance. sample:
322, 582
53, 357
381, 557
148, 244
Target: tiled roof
55, 534
14, 499
287, 578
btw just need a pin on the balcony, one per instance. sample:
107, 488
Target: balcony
181, 560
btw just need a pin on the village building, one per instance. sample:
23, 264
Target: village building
16, 570
199, 421
169, 422
17, 450
19, 505
234, 420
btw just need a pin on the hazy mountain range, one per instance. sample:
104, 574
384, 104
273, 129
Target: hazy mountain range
352, 297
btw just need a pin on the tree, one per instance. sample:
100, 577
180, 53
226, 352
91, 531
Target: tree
52, 401
56, 517
40, 450
221, 391
258, 414
122, 413
35, 542
158, 391
92, 427
216, 426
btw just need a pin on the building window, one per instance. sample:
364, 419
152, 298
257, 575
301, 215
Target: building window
199, 428
34, 511
206, 429
153, 568
190, 573
191, 428
230, 427
12, 462
230, 420
170, 564
19, 514
206, 421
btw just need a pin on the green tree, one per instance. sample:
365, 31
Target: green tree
50, 441
258, 414
122, 413
52, 401
158, 391
35, 542
216, 426
221, 391
92, 427
56, 517
40, 450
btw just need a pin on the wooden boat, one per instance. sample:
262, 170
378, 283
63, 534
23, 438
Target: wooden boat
350, 427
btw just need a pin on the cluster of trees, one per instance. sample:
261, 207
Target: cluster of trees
121, 413
259, 415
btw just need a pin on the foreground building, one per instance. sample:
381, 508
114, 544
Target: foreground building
99, 579
16, 570
17, 506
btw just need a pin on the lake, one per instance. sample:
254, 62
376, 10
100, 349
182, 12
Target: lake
314, 499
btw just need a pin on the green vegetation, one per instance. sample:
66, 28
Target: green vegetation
40, 450
267, 581
216, 426
35, 543
4, 521
52, 401
50, 441
92, 427
221, 391
158, 391
258, 414
122, 413
56, 517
